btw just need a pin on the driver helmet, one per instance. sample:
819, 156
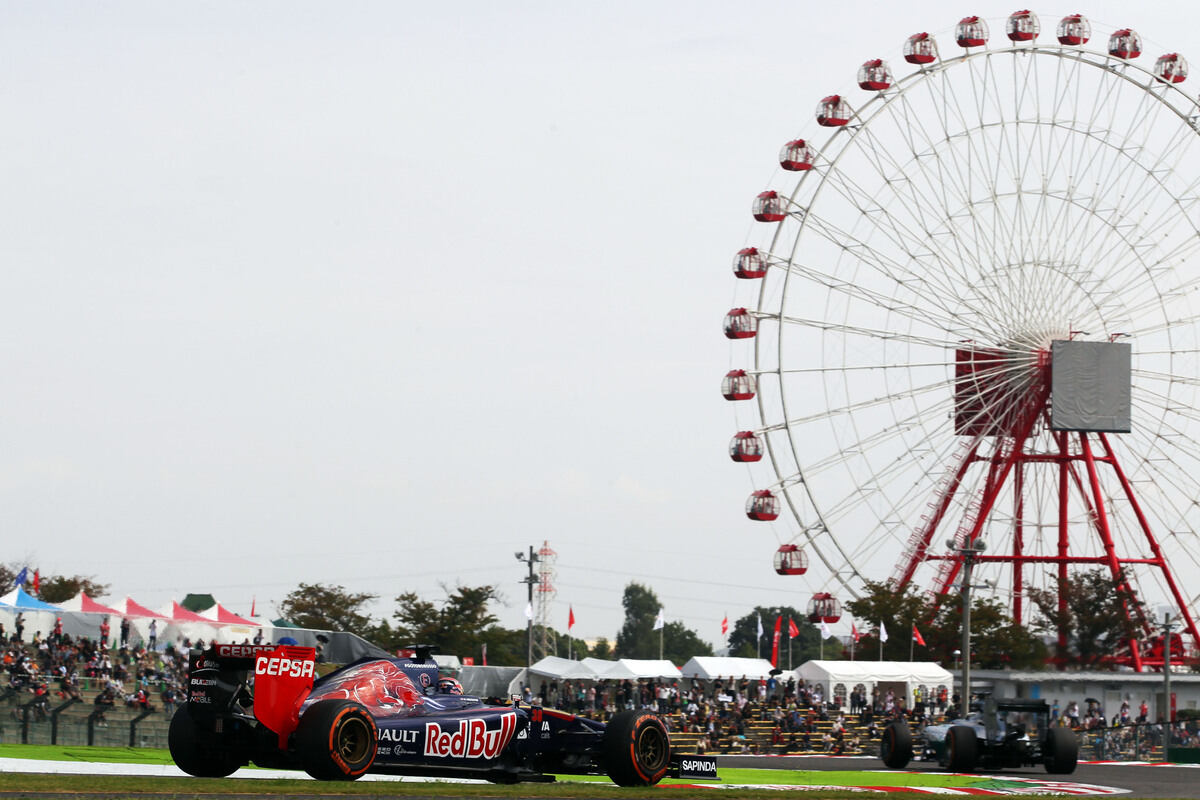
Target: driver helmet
449, 686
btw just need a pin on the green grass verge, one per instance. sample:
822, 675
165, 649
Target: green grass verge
110, 755
571, 786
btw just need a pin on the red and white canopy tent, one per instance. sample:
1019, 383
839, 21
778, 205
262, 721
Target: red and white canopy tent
82, 604
226, 617
132, 608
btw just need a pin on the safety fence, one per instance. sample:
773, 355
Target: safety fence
1150, 741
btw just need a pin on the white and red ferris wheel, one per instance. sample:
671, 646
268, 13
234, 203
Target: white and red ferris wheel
918, 259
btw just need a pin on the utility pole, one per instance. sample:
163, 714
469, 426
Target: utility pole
1167, 664
968, 551
529, 581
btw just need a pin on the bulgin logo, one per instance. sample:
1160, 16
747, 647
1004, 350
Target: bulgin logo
471, 740
277, 665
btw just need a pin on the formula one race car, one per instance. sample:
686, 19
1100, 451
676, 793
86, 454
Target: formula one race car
1005, 733
264, 704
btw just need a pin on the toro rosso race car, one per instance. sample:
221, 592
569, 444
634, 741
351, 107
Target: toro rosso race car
1004, 733
263, 704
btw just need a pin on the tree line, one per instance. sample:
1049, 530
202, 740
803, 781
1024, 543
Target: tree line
1094, 622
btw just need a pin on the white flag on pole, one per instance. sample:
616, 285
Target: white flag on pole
658, 621
529, 611
825, 632
760, 626
882, 632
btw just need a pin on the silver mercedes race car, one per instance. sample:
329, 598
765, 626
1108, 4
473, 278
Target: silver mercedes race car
1005, 733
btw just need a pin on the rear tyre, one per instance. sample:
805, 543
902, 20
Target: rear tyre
895, 745
962, 749
1062, 751
199, 752
336, 740
636, 748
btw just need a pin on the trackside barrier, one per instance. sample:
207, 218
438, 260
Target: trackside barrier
21, 712
91, 725
1148, 741
54, 717
133, 723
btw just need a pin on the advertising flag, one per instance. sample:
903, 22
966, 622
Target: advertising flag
760, 626
793, 631
882, 632
570, 617
775, 642
725, 625
21, 576
917, 637
37, 582
825, 632
854, 631
658, 621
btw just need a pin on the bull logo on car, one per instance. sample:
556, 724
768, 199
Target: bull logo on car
471, 740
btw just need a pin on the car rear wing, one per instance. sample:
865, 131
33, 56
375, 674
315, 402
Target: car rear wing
269, 681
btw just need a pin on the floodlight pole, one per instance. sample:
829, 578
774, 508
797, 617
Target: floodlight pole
529, 581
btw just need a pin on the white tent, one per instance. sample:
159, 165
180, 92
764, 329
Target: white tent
711, 667
453, 664
565, 669
598, 666
631, 668
900, 677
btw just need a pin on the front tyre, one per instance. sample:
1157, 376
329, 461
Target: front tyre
636, 748
1062, 751
199, 752
336, 740
895, 745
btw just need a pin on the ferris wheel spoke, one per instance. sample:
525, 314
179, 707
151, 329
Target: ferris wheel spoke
1161, 405
920, 244
1158, 476
909, 183
1121, 166
943, 178
867, 333
885, 303
870, 441
909, 393
889, 269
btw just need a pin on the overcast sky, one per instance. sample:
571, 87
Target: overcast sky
376, 294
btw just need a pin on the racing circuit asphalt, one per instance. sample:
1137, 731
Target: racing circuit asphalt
1132, 780
1135, 780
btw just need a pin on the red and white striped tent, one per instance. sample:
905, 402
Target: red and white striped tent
82, 604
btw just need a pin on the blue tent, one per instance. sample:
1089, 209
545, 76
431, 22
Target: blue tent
19, 600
